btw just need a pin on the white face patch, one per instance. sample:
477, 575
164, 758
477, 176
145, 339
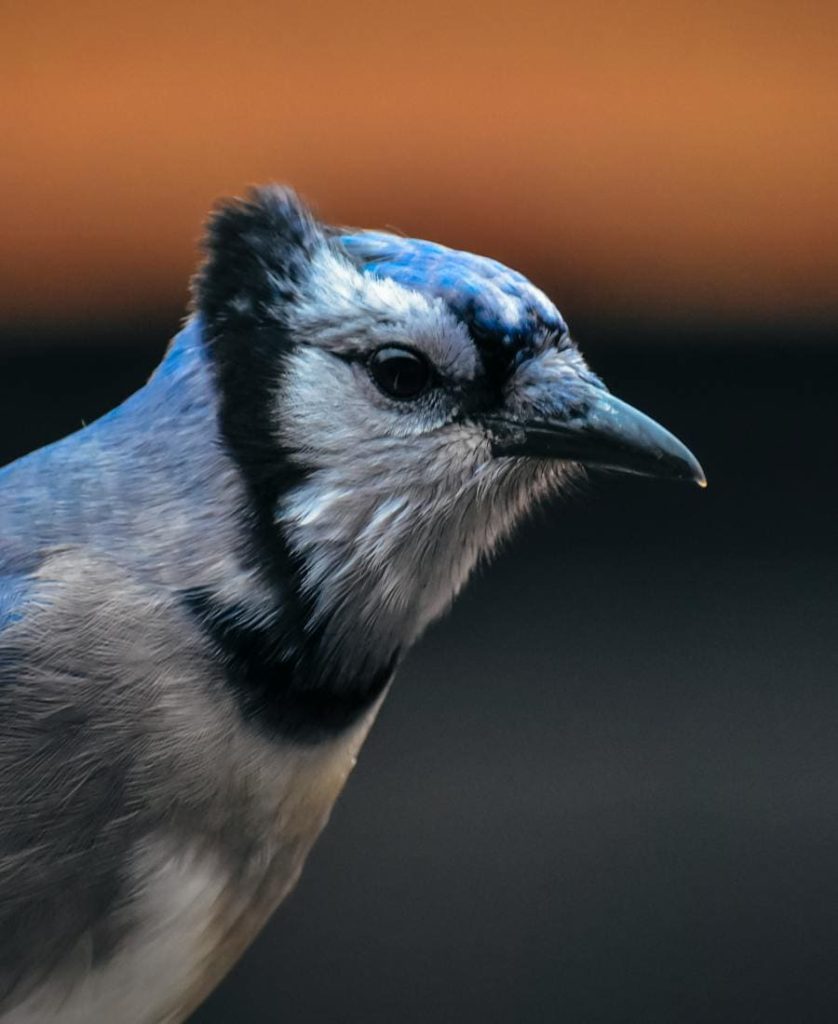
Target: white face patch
401, 498
397, 508
342, 310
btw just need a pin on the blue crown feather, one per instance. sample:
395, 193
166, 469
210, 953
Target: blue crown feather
503, 311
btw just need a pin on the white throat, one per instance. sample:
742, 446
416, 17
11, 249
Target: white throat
385, 554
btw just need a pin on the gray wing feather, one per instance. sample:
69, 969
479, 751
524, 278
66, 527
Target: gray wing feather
60, 781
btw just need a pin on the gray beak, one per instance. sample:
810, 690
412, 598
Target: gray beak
598, 429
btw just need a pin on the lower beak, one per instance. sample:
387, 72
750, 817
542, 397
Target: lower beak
600, 430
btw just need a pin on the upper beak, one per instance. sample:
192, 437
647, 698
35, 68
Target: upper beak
598, 429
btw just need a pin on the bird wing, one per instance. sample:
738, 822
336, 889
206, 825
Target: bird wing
53, 805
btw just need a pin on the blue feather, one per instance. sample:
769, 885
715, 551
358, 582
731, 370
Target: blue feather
498, 305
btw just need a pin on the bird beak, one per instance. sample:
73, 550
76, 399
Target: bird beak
597, 429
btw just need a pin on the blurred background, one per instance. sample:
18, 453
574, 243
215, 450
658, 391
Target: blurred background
605, 788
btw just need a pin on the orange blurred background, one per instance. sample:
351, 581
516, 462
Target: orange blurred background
642, 158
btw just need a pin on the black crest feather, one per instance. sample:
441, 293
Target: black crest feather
258, 252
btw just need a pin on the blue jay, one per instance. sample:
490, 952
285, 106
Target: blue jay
204, 594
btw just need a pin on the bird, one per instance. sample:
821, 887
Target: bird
206, 593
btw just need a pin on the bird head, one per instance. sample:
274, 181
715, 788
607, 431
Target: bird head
399, 405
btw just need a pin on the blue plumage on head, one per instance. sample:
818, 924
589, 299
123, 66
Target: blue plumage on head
503, 311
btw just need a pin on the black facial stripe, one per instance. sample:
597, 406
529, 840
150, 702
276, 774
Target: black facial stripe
270, 668
259, 253
273, 690
248, 372
503, 352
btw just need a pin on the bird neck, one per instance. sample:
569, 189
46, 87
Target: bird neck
323, 575
380, 558
247, 595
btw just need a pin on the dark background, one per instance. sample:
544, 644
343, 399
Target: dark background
604, 788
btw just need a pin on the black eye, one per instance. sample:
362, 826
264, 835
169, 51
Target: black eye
399, 372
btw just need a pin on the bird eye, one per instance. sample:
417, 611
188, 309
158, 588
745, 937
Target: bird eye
399, 372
